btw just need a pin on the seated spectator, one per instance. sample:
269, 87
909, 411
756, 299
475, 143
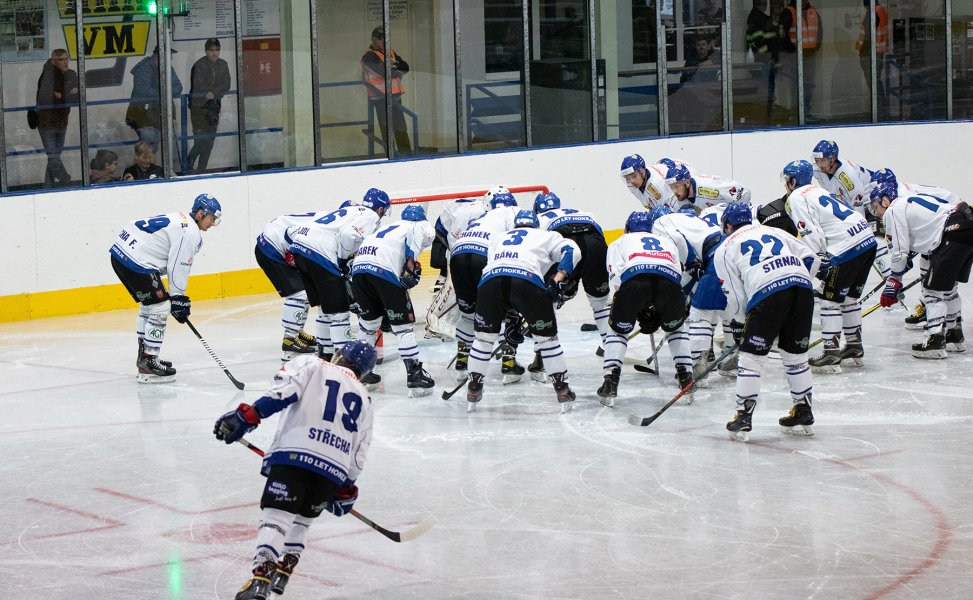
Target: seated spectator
143, 167
705, 62
103, 167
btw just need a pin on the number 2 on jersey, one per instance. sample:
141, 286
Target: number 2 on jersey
757, 248
351, 401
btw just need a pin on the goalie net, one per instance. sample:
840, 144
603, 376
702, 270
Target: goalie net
422, 295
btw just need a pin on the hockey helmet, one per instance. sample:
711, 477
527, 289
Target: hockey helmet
376, 199
677, 174
546, 202
668, 162
502, 199
414, 212
687, 209
883, 176
632, 164
526, 218
357, 355
882, 190
490, 193
800, 170
209, 205
736, 214
656, 212
639, 220
825, 149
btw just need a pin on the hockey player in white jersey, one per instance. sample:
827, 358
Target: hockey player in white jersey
647, 184
925, 224
145, 251
275, 258
468, 257
323, 434
581, 227
766, 275
646, 276
322, 252
843, 239
702, 191
517, 262
385, 269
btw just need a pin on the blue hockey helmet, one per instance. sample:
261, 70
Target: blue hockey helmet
209, 205
687, 209
414, 212
884, 176
502, 199
677, 173
546, 202
668, 162
376, 199
736, 214
639, 220
825, 149
526, 218
657, 211
800, 170
357, 355
885, 189
632, 164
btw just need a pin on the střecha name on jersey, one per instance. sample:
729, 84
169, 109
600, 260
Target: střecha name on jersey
827, 225
478, 235
163, 244
558, 217
384, 253
275, 240
326, 424
755, 261
527, 253
639, 252
332, 238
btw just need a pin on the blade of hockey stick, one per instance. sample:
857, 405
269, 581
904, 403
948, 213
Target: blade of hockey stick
647, 367
450, 393
395, 536
239, 384
645, 421
589, 327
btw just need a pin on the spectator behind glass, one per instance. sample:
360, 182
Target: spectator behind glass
210, 77
57, 89
144, 113
103, 167
143, 167
705, 62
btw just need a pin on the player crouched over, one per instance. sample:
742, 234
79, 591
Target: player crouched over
145, 251
513, 278
765, 275
645, 271
313, 463
385, 269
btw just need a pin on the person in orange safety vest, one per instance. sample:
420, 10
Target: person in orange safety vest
373, 76
863, 45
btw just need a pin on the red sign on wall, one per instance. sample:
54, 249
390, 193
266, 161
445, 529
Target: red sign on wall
261, 66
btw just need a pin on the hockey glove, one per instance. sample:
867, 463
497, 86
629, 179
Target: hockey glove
513, 333
343, 501
649, 323
735, 328
180, 308
235, 424
555, 289
824, 272
289, 260
890, 295
410, 279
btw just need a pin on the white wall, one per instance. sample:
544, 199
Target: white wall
60, 240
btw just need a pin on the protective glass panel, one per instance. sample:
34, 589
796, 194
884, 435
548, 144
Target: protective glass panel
764, 92
695, 68
628, 49
914, 70
962, 25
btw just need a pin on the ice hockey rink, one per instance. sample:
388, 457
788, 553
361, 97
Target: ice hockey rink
112, 490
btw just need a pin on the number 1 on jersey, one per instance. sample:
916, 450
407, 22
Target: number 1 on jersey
351, 401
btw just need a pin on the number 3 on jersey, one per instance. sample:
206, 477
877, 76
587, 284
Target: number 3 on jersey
516, 237
351, 401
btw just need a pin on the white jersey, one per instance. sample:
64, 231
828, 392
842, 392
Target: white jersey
827, 225
655, 191
914, 223
480, 232
711, 190
456, 217
554, 219
528, 253
850, 183
689, 233
639, 252
714, 215
275, 239
164, 244
326, 424
910, 189
755, 261
385, 252
332, 238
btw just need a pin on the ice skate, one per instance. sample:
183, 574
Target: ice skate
164, 363
609, 389
509, 368
536, 369
729, 367
799, 420
419, 382
153, 371
302, 343
283, 572
741, 425
955, 339
371, 381
830, 361
684, 377
258, 587
565, 396
461, 364
933, 348
918, 317
474, 391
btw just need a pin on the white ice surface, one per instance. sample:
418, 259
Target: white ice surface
112, 490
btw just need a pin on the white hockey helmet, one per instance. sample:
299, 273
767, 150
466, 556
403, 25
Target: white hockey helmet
494, 191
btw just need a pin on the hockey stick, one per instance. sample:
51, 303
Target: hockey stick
869, 311
395, 536
647, 367
239, 384
449, 394
645, 421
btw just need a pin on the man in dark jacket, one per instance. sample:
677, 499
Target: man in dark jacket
210, 80
144, 113
57, 89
